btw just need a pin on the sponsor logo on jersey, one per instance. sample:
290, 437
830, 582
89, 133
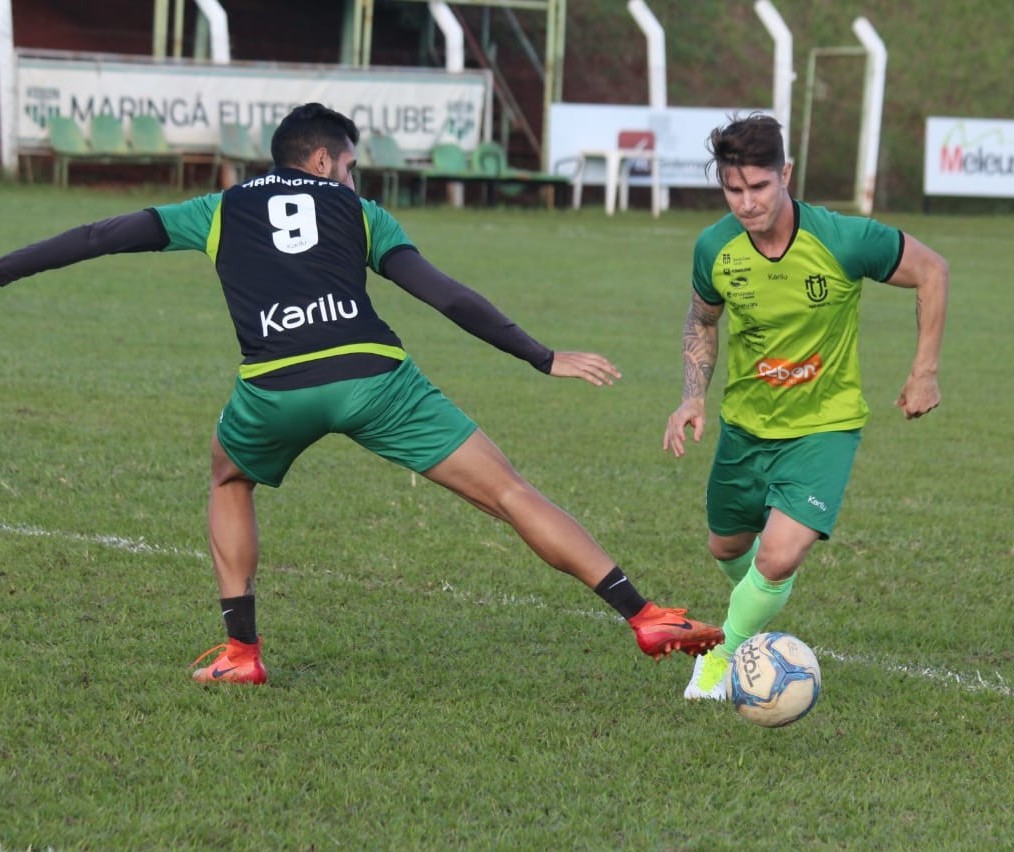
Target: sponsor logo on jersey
781, 373
734, 265
277, 319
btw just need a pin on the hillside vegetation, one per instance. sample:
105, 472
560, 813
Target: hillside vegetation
945, 57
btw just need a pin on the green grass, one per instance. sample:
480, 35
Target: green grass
433, 685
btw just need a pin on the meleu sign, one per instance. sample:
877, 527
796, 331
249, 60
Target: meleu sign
969, 156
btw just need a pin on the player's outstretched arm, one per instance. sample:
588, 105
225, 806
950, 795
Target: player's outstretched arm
474, 313
140, 231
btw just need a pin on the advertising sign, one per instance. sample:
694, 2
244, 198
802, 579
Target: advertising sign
969, 156
419, 108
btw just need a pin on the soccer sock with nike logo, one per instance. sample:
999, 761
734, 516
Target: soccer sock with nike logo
240, 618
617, 591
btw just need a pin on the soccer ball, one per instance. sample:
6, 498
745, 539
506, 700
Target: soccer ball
774, 679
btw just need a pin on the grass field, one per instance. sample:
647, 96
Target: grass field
433, 686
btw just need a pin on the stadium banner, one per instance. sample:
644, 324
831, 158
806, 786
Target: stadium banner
679, 136
969, 156
418, 107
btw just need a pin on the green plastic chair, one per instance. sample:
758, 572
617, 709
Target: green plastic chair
147, 141
381, 154
108, 135
66, 137
384, 152
489, 158
236, 142
449, 161
146, 135
109, 140
69, 144
238, 149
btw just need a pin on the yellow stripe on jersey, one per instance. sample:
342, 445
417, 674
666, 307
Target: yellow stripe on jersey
214, 233
249, 371
366, 227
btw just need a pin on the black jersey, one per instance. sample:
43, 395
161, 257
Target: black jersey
292, 252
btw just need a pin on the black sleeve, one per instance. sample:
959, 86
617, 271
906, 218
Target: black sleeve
140, 231
463, 306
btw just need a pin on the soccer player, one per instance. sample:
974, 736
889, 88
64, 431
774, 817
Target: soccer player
791, 275
292, 249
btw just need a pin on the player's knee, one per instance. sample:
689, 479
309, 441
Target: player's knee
223, 469
515, 498
777, 566
726, 548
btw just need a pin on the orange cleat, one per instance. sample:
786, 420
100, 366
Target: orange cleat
238, 663
661, 631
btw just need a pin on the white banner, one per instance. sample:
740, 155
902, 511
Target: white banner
679, 137
419, 108
969, 156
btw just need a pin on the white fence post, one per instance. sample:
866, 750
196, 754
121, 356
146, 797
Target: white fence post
8, 93
873, 109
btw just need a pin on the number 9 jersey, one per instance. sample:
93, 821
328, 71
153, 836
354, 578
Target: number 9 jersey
292, 252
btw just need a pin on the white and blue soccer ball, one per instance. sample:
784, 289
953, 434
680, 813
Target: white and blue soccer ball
774, 679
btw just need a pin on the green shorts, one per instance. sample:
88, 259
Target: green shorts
803, 477
399, 415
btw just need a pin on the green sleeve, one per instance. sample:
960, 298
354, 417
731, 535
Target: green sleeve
864, 247
706, 250
383, 232
189, 223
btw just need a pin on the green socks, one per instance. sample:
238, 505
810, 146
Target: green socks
735, 569
753, 604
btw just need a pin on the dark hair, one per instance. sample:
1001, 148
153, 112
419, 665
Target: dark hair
307, 128
752, 141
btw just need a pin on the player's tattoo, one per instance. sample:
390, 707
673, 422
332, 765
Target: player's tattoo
700, 347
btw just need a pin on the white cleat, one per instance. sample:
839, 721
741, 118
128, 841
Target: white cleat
709, 680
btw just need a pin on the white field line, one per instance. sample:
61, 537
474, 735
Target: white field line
975, 682
112, 541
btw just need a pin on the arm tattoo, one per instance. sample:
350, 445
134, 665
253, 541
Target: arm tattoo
700, 347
